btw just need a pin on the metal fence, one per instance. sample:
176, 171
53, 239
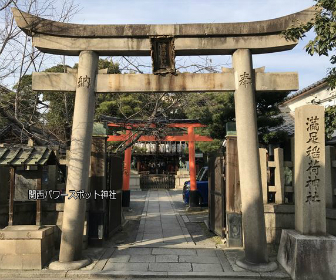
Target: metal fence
157, 181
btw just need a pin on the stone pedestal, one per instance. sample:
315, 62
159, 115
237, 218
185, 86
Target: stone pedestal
181, 177
134, 180
26, 247
308, 257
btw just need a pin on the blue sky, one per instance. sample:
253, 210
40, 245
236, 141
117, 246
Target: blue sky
310, 69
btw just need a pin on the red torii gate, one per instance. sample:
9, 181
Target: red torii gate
191, 137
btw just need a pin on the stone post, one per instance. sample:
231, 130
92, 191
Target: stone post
78, 171
256, 255
310, 206
263, 171
279, 176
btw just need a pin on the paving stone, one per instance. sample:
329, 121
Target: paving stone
166, 251
139, 237
199, 259
168, 218
174, 239
140, 251
166, 258
206, 252
175, 242
152, 230
171, 226
167, 210
185, 219
152, 236
152, 211
142, 259
224, 261
152, 223
126, 267
171, 267
197, 267
174, 233
119, 258
133, 251
103, 259
155, 218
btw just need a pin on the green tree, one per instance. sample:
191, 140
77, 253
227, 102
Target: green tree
24, 106
59, 109
216, 109
330, 121
324, 42
60, 105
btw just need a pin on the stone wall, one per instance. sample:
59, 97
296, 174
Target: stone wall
278, 217
52, 214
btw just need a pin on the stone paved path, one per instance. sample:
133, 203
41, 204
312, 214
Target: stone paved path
163, 243
160, 224
164, 247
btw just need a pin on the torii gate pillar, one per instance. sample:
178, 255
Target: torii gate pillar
249, 164
126, 194
193, 196
77, 179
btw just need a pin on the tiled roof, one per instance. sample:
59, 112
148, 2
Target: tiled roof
288, 124
304, 90
16, 156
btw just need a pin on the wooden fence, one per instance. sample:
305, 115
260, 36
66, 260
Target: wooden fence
277, 177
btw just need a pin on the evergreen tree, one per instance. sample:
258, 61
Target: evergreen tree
324, 43
216, 109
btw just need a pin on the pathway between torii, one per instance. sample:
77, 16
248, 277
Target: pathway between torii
160, 224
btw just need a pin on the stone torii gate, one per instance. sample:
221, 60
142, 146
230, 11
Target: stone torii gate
191, 137
163, 43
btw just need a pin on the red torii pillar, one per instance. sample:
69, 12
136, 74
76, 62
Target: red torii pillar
126, 195
193, 195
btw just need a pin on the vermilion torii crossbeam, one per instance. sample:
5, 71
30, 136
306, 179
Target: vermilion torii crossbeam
190, 137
